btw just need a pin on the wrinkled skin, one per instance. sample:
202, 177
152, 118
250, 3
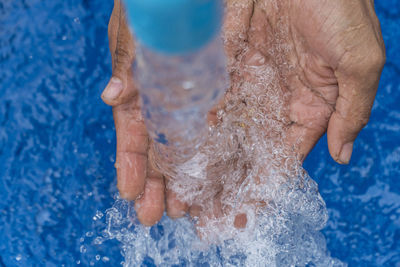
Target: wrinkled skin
336, 58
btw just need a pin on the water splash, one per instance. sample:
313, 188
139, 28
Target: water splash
247, 169
287, 235
253, 172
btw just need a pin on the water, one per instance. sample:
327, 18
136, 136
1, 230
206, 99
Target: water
57, 147
177, 100
179, 42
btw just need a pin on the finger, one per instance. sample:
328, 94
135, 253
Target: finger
301, 140
212, 116
175, 207
132, 146
151, 205
120, 88
358, 77
195, 211
113, 26
206, 214
309, 113
214, 220
240, 221
236, 25
226, 215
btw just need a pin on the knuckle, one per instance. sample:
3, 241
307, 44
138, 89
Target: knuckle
363, 121
120, 66
367, 60
114, 21
123, 56
355, 118
376, 58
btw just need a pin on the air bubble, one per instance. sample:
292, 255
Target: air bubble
82, 249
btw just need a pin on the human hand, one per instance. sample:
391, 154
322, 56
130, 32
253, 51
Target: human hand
137, 178
328, 55
338, 55
330, 83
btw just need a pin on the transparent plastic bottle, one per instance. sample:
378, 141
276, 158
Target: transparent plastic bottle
180, 69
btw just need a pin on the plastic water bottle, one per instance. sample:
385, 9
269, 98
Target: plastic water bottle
180, 69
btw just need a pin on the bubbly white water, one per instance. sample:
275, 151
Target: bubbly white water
245, 167
286, 235
251, 171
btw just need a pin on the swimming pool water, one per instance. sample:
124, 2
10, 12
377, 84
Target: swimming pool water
57, 145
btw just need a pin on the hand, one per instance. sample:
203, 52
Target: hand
137, 179
338, 54
335, 53
329, 56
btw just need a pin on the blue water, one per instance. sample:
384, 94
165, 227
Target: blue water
57, 145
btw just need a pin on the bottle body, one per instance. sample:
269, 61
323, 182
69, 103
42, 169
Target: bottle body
177, 92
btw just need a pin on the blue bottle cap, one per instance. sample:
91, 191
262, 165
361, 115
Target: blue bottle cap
175, 26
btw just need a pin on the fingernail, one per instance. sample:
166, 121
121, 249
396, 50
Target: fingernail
345, 153
113, 89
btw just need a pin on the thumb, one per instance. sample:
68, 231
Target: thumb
121, 88
358, 84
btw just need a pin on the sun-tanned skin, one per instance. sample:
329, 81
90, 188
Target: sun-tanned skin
336, 58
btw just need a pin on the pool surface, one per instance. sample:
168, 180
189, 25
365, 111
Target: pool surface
57, 145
